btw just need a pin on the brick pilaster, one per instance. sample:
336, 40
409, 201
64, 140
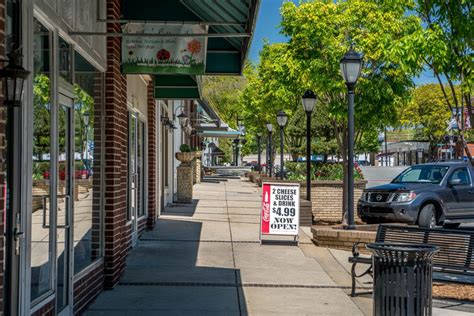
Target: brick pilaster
117, 238
2, 156
152, 196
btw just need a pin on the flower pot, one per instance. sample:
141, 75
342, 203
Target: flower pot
186, 157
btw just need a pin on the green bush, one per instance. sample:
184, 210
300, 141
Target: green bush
319, 171
39, 168
184, 148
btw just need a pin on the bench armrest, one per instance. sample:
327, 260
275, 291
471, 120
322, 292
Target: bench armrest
355, 248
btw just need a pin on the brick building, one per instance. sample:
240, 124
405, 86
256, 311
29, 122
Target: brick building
88, 157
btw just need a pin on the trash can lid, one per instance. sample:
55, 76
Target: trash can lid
399, 247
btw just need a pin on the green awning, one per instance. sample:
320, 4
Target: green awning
181, 87
220, 134
233, 19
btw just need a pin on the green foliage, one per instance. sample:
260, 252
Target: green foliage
184, 148
319, 33
443, 43
42, 116
319, 171
427, 114
39, 168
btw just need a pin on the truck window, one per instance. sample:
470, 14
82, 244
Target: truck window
463, 175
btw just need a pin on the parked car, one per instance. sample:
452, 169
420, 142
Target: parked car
427, 195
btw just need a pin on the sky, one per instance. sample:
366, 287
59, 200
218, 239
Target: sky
267, 28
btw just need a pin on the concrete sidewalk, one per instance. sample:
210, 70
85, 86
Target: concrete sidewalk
206, 259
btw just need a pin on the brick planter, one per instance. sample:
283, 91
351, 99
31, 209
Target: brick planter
339, 238
326, 197
306, 215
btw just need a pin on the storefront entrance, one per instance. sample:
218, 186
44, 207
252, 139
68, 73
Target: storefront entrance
136, 169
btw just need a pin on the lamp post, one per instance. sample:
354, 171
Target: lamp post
308, 100
234, 146
86, 118
259, 160
282, 119
351, 65
270, 129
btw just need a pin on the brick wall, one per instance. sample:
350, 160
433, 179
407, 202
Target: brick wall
117, 237
152, 172
327, 199
87, 288
343, 239
326, 196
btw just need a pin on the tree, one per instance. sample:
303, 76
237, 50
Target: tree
42, 117
320, 33
443, 43
427, 114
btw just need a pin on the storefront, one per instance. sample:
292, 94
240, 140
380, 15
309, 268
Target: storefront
89, 154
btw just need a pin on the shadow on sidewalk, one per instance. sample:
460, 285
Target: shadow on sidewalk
175, 273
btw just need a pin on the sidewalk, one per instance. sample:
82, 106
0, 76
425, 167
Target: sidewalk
206, 259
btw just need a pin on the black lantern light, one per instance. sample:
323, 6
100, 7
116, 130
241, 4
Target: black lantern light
308, 100
351, 66
14, 75
182, 118
282, 118
86, 118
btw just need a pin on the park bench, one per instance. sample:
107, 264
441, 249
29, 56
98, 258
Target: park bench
455, 256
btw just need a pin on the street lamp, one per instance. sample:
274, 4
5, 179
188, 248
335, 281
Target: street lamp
234, 146
269, 149
86, 119
282, 119
308, 100
351, 65
14, 76
259, 160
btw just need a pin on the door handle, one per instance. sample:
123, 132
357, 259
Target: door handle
44, 212
67, 199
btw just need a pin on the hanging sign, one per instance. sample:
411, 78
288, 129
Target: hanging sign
280, 209
164, 55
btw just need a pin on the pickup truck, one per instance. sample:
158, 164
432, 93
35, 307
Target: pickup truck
427, 195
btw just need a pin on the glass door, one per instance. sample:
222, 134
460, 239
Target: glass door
133, 182
65, 179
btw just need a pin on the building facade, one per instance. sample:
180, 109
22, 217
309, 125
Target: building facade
88, 157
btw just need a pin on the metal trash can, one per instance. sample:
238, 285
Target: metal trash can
403, 277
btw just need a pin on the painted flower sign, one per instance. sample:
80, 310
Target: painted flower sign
163, 55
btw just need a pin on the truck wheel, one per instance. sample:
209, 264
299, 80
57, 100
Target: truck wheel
427, 218
451, 225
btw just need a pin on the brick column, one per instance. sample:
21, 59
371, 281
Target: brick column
152, 172
2, 156
117, 235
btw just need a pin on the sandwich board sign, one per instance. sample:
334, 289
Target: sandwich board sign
280, 214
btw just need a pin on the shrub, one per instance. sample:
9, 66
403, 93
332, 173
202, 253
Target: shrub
319, 171
184, 148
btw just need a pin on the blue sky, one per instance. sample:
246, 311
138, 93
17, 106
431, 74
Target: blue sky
268, 22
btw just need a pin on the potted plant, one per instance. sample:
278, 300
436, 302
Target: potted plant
197, 153
185, 155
